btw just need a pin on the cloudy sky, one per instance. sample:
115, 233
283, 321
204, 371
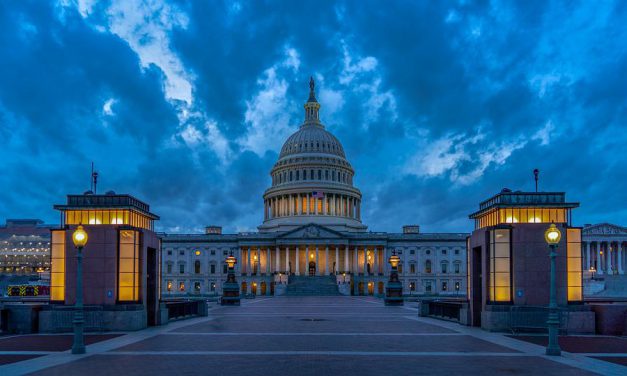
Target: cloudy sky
438, 104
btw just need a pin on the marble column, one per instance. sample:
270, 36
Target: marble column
326, 260
337, 260
346, 259
376, 261
268, 260
297, 261
249, 269
619, 261
277, 259
356, 260
599, 259
608, 257
317, 260
287, 260
587, 255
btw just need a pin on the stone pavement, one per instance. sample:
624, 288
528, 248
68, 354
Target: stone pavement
311, 336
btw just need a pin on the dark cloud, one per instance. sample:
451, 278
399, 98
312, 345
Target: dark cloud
545, 81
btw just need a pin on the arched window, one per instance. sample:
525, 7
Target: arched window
197, 267
290, 175
428, 266
444, 267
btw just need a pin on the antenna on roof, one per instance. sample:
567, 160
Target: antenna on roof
536, 172
94, 178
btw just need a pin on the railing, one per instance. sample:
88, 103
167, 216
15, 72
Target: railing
182, 309
534, 318
446, 310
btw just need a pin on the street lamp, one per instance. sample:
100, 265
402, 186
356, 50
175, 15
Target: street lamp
394, 290
592, 270
552, 236
230, 290
79, 237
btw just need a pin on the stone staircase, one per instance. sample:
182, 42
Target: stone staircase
312, 286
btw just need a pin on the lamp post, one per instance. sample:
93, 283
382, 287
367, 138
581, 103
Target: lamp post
552, 237
592, 270
394, 290
79, 237
230, 290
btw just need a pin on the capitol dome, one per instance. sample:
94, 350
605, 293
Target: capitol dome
312, 181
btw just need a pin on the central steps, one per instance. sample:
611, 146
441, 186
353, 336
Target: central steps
312, 286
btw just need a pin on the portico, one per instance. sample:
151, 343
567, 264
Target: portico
604, 249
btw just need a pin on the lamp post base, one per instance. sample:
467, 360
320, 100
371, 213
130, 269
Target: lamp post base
230, 294
394, 294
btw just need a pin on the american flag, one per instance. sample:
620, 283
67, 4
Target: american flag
318, 194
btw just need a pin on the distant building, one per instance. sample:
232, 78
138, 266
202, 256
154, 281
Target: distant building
312, 231
24, 247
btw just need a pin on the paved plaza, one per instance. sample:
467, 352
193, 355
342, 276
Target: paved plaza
304, 336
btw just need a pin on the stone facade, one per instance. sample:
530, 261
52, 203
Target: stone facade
312, 226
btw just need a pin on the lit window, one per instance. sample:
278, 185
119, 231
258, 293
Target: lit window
181, 286
197, 287
428, 266
169, 285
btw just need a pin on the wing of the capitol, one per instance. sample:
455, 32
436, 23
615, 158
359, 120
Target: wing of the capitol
312, 236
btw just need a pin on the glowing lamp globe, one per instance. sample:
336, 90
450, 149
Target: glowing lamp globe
79, 237
394, 260
552, 235
231, 261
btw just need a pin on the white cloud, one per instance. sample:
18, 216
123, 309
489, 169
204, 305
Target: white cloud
452, 154
543, 82
197, 132
145, 26
292, 59
107, 107
268, 113
544, 134
351, 70
331, 101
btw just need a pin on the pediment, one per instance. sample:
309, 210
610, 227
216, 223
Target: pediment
604, 229
311, 231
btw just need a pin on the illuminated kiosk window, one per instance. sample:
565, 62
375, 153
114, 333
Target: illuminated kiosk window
57, 267
523, 207
574, 264
500, 279
128, 266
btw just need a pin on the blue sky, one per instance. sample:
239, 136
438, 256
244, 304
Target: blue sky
438, 104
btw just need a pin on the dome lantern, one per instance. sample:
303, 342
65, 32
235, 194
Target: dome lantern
312, 107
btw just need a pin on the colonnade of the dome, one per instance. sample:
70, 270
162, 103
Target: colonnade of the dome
294, 204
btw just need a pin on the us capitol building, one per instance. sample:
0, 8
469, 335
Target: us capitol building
312, 239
